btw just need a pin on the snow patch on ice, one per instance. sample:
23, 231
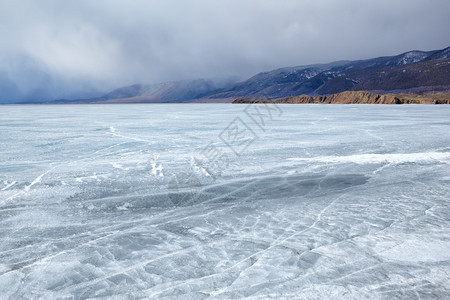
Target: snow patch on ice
37, 180
118, 166
8, 185
157, 169
418, 250
125, 206
397, 158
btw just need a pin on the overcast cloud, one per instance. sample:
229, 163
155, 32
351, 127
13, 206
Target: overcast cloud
74, 48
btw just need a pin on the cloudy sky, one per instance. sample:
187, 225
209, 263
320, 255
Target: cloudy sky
76, 48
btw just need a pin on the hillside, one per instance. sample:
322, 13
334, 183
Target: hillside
423, 74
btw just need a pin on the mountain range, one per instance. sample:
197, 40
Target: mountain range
418, 72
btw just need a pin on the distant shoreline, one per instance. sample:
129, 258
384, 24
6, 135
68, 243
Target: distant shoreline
347, 97
354, 97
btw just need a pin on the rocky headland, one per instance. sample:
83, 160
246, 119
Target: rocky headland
355, 97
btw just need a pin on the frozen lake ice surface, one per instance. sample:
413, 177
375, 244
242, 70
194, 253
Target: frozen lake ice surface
220, 201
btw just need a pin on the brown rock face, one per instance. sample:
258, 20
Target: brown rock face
357, 97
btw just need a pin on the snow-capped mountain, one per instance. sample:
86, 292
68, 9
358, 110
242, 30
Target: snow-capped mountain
378, 74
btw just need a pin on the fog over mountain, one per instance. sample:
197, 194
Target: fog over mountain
55, 49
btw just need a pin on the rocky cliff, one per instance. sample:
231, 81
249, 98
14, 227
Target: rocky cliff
357, 97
